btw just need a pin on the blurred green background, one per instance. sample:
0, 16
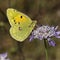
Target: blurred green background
46, 12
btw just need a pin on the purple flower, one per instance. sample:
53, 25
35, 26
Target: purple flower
46, 32
3, 56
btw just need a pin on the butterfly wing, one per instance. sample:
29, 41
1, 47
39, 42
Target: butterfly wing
21, 34
13, 14
21, 24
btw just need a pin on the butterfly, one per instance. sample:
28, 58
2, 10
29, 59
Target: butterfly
21, 24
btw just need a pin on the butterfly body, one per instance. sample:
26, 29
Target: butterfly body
21, 24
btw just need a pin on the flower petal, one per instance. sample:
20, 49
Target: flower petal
56, 27
57, 35
51, 42
3, 55
40, 37
31, 37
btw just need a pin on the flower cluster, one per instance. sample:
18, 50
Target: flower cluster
45, 32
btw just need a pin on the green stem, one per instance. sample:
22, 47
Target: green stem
20, 45
46, 49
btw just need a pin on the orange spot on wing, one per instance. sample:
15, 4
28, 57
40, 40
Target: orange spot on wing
19, 19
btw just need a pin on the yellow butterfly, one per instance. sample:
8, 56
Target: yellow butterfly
21, 24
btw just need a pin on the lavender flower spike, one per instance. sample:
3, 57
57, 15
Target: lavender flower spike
46, 32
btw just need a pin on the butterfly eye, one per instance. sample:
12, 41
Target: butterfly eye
20, 16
